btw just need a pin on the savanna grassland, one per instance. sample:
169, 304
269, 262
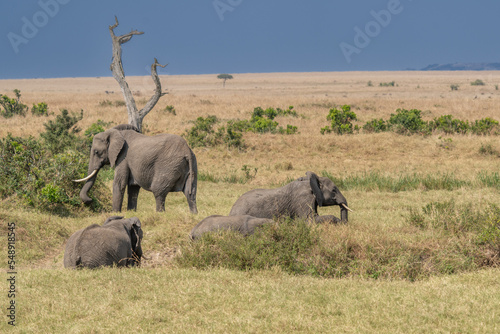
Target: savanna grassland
420, 252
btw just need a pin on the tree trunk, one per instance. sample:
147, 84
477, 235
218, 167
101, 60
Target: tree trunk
135, 116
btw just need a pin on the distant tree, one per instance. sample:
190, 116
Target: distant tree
135, 116
224, 76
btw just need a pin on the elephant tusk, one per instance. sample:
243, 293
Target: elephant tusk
345, 206
88, 177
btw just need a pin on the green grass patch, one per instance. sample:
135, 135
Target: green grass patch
377, 181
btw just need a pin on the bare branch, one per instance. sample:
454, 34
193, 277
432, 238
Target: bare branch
135, 117
154, 99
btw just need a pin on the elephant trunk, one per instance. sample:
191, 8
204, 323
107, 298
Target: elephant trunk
86, 188
344, 212
344, 215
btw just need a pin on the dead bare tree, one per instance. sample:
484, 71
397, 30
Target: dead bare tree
135, 116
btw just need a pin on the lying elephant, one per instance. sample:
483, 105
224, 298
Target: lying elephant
298, 199
244, 224
116, 242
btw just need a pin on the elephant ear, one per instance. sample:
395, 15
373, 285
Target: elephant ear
316, 188
115, 145
133, 225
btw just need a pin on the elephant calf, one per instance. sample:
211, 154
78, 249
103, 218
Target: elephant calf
298, 199
116, 242
244, 224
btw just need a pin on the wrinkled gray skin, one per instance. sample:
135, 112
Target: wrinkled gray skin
298, 199
116, 242
244, 224
160, 164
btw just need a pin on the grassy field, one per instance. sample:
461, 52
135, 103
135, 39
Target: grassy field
387, 179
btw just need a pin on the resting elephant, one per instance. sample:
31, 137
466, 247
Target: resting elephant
244, 224
116, 242
298, 199
160, 164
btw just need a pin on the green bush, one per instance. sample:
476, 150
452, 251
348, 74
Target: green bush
448, 125
407, 121
95, 128
206, 131
21, 167
387, 84
43, 180
375, 125
170, 110
60, 133
203, 132
485, 126
40, 109
262, 121
12, 107
454, 87
341, 121
232, 135
290, 130
477, 82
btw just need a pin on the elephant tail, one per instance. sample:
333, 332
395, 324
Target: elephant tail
191, 182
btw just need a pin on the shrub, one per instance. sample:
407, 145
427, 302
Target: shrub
477, 82
375, 125
57, 136
93, 129
454, 87
262, 121
341, 121
43, 180
387, 84
22, 164
203, 133
407, 121
485, 126
448, 125
40, 109
12, 106
170, 110
290, 130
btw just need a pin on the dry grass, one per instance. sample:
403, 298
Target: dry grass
223, 301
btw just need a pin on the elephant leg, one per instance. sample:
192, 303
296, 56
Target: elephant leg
160, 202
118, 192
133, 194
191, 199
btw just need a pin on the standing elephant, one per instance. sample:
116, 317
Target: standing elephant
244, 224
116, 242
298, 199
160, 164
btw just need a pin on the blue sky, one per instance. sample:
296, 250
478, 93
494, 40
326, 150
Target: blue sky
70, 38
